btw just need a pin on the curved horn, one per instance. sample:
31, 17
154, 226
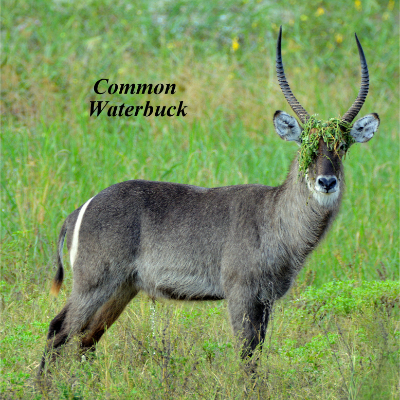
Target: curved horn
283, 83
362, 94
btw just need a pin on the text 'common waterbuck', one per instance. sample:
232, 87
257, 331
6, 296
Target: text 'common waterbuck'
243, 243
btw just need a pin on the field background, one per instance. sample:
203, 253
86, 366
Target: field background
336, 334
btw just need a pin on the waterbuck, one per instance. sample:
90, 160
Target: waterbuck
243, 243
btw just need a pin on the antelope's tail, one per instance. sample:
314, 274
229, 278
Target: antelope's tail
58, 279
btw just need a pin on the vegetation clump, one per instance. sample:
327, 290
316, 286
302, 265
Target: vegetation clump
334, 132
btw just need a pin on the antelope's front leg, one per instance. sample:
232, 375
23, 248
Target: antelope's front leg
249, 320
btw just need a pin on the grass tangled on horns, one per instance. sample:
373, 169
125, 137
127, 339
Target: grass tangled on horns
334, 133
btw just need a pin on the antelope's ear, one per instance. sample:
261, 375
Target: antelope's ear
287, 127
365, 127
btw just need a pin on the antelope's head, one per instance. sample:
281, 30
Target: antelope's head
324, 143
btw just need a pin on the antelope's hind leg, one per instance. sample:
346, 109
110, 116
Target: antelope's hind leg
88, 313
56, 337
106, 316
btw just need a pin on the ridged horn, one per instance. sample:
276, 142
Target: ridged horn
362, 94
283, 83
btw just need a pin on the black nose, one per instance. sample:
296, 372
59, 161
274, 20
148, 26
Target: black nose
327, 183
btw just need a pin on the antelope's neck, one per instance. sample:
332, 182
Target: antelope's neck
301, 220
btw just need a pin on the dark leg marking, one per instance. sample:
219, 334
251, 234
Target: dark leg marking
57, 335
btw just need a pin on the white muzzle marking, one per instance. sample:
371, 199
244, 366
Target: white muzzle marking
319, 194
75, 238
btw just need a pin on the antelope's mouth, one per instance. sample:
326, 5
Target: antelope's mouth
327, 192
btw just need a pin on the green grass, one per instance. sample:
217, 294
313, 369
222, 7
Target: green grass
335, 335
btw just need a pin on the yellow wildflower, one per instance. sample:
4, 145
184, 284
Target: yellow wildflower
235, 43
339, 38
357, 4
390, 5
320, 11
